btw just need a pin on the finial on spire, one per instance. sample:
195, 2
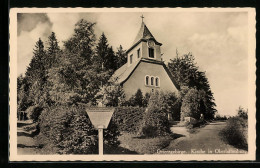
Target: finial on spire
142, 18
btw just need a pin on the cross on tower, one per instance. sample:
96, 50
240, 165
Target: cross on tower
142, 18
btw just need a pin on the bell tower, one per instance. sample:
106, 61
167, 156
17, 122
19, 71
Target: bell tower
145, 46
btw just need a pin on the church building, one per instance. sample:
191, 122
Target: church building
144, 69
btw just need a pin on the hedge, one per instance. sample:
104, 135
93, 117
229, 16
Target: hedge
69, 129
128, 119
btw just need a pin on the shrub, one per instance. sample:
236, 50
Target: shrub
241, 112
219, 117
191, 104
149, 131
112, 95
138, 99
128, 118
235, 132
70, 129
34, 112
156, 116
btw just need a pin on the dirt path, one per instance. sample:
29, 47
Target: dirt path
26, 145
203, 140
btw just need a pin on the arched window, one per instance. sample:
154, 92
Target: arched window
157, 81
146, 80
152, 81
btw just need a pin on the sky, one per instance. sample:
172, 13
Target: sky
218, 40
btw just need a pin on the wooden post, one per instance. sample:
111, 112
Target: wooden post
100, 141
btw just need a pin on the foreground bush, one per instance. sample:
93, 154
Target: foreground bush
128, 119
70, 129
155, 121
235, 132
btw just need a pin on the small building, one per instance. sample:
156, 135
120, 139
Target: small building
144, 69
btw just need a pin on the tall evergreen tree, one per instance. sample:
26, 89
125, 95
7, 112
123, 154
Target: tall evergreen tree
36, 69
139, 98
53, 49
188, 76
121, 56
102, 52
111, 60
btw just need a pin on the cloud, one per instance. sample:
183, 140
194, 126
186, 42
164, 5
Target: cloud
28, 21
26, 42
63, 24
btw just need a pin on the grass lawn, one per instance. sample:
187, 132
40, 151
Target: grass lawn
143, 145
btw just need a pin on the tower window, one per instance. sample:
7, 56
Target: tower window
152, 78
138, 53
131, 58
151, 52
146, 80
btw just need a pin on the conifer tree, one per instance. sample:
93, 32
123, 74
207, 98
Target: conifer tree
102, 52
121, 56
111, 60
188, 76
139, 98
36, 69
53, 50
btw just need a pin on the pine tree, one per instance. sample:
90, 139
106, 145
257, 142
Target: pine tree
53, 50
188, 76
102, 52
121, 56
139, 98
36, 69
53, 47
110, 60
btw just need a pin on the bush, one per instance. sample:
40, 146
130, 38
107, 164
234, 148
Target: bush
128, 118
34, 112
241, 112
149, 131
138, 99
192, 104
70, 129
156, 117
235, 132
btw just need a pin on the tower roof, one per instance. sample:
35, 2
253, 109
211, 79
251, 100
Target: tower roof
144, 33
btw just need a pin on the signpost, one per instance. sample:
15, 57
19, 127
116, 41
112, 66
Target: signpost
100, 118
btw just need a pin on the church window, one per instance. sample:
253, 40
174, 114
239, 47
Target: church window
131, 58
151, 52
152, 80
138, 53
157, 81
146, 80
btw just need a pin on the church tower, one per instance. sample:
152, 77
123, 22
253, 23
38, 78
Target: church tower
144, 69
145, 46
